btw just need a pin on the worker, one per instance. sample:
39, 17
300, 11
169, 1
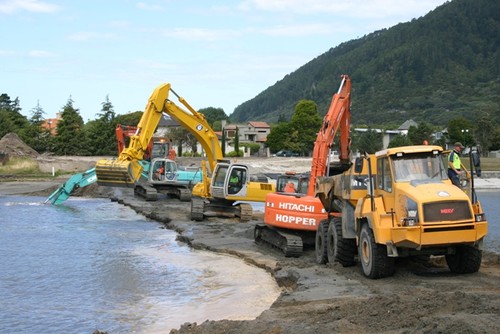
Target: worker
454, 164
289, 188
171, 154
234, 183
234, 179
160, 172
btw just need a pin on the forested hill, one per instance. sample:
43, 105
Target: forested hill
435, 68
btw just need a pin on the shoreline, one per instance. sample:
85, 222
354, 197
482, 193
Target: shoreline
323, 297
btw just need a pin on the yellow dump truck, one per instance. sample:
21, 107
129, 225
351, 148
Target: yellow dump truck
399, 202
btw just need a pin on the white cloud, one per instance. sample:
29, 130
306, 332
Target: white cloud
147, 6
12, 6
200, 34
41, 54
86, 36
298, 30
353, 8
6, 53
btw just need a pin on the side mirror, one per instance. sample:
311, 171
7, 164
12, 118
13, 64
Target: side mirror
475, 160
358, 165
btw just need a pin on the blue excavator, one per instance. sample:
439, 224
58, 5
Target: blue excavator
81, 180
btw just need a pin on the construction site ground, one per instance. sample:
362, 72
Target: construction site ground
422, 297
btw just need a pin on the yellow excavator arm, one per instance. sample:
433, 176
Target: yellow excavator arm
126, 170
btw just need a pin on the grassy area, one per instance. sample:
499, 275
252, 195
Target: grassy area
22, 167
487, 164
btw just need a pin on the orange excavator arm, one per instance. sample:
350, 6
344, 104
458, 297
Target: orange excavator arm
337, 117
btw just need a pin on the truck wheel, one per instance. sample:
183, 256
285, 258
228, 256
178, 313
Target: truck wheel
338, 248
373, 257
320, 245
467, 259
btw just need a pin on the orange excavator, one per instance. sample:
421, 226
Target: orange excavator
158, 147
292, 213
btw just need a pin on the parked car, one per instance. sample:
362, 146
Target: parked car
286, 153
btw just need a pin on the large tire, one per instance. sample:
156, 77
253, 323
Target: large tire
466, 260
339, 249
320, 245
373, 257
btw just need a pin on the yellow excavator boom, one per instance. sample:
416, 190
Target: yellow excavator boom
126, 170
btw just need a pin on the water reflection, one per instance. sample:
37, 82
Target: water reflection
93, 264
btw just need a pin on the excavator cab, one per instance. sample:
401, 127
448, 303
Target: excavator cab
229, 180
291, 183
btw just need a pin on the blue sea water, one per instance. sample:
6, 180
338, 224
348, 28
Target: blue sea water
94, 264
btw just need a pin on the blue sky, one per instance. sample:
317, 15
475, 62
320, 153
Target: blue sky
214, 53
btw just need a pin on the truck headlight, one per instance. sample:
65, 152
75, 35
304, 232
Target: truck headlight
480, 217
411, 218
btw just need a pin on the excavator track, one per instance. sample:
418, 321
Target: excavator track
184, 194
246, 212
290, 244
147, 192
197, 208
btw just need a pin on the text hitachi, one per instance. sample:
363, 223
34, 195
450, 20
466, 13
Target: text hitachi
297, 207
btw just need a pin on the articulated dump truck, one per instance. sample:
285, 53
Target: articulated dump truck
399, 202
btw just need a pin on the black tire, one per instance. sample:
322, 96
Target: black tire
338, 248
466, 260
373, 257
320, 245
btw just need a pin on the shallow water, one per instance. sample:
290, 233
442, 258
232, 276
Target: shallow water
490, 201
94, 264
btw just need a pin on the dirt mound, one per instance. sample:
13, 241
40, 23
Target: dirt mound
13, 146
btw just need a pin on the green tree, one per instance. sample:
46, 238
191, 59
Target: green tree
36, 136
11, 119
485, 131
236, 141
417, 135
279, 137
70, 139
130, 119
101, 132
305, 125
179, 136
400, 140
369, 141
213, 114
461, 129
495, 140
223, 143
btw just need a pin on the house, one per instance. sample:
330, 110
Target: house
403, 128
50, 124
251, 132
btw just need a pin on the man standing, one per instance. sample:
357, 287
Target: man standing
454, 164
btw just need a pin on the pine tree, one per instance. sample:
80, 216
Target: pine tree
70, 139
101, 132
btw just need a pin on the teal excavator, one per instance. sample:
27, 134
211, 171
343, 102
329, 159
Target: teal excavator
82, 180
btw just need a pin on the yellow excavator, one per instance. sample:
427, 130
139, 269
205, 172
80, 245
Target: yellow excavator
226, 187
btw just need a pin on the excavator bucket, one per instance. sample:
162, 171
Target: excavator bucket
118, 173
